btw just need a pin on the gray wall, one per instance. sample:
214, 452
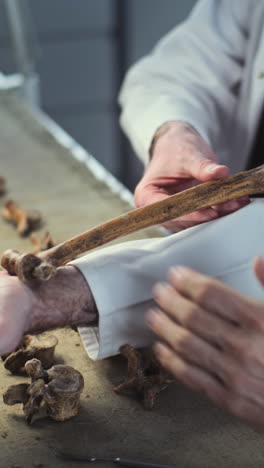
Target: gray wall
85, 46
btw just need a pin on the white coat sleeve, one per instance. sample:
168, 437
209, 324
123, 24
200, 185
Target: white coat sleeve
121, 277
193, 75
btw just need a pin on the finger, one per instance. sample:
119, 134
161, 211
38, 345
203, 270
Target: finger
215, 296
145, 195
203, 168
244, 346
259, 269
193, 219
211, 328
203, 354
203, 382
202, 216
189, 346
231, 206
189, 374
152, 195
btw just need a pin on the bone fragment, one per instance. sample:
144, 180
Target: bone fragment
41, 244
25, 221
54, 393
41, 347
2, 185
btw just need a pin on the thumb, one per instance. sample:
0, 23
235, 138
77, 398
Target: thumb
145, 195
259, 269
204, 169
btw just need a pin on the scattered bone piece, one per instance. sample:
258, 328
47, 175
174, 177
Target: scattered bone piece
2, 185
54, 393
41, 244
25, 221
40, 346
15, 394
145, 375
43, 265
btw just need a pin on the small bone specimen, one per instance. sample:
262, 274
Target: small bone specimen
2, 185
25, 221
41, 244
43, 266
145, 375
54, 393
40, 346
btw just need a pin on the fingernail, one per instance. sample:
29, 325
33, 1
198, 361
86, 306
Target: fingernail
209, 217
160, 289
244, 199
159, 349
261, 258
178, 272
212, 167
152, 316
234, 205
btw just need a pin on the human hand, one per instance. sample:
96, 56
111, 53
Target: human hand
64, 300
213, 340
182, 159
16, 301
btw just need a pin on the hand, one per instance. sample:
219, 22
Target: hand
182, 159
16, 301
213, 340
64, 300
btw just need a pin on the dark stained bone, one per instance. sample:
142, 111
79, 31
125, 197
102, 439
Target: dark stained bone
2, 185
43, 265
54, 393
25, 221
145, 376
41, 244
40, 346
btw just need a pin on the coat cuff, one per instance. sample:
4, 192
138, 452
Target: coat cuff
117, 325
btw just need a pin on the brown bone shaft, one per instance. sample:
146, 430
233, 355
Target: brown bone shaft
196, 198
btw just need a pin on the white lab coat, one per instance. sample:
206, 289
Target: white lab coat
121, 277
205, 72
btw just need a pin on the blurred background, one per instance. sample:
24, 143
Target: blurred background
74, 55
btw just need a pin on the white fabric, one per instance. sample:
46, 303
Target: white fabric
206, 72
121, 277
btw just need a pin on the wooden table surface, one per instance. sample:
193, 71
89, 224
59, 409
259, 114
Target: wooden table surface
183, 428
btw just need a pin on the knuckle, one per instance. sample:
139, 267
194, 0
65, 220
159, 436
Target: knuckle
6, 337
234, 404
243, 350
257, 321
230, 342
3, 328
250, 357
235, 380
234, 343
192, 314
138, 199
203, 163
247, 352
181, 340
203, 292
184, 374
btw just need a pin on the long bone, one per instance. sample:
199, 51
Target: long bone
43, 265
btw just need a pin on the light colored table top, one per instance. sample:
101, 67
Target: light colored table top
183, 428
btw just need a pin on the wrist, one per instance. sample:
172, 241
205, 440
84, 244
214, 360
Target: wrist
64, 300
168, 130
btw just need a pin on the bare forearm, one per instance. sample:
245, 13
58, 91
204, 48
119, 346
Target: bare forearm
65, 300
